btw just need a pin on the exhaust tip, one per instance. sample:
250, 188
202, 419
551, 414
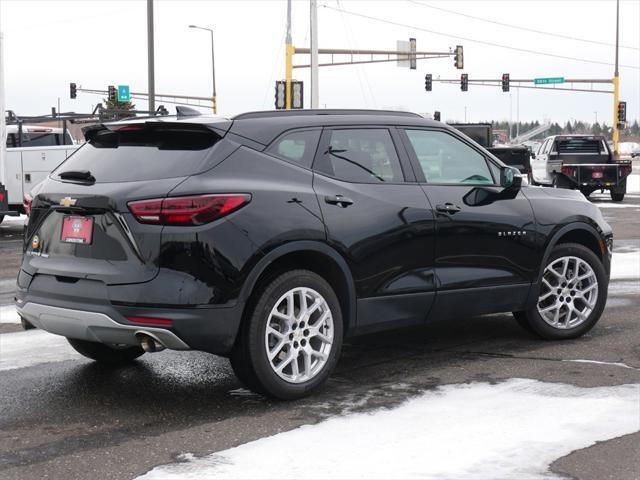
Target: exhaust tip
150, 344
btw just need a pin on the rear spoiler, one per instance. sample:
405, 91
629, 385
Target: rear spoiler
220, 128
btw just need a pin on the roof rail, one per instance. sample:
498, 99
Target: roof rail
306, 112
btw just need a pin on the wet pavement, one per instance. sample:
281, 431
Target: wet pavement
67, 417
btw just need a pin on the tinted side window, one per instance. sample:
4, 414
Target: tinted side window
298, 147
446, 159
362, 156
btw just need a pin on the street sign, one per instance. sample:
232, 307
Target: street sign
123, 93
548, 81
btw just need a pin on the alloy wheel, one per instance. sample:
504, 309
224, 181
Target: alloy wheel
569, 292
299, 335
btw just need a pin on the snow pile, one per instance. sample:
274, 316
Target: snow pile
33, 347
20, 220
510, 430
8, 314
625, 265
627, 148
633, 183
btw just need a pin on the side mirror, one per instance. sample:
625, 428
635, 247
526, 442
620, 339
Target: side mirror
510, 178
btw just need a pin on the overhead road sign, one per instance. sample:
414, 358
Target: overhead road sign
548, 81
123, 93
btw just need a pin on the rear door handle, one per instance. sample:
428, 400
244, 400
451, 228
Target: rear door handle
448, 208
339, 200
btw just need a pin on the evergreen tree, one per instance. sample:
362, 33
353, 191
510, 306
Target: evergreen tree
121, 106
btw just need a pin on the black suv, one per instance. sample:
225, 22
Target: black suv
269, 237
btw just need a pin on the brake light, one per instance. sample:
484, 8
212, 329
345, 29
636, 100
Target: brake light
150, 321
192, 210
624, 170
568, 171
27, 201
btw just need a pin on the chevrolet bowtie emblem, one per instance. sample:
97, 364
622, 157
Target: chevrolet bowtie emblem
68, 201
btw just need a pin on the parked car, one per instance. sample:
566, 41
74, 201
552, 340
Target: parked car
271, 236
583, 162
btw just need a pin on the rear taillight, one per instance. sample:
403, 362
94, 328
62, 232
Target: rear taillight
26, 203
624, 170
568, 171
192, 210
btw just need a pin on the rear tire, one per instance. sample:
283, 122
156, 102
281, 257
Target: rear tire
565, 292
616, 197
104, 353
26, 324
281, 351
617, 193
560, 182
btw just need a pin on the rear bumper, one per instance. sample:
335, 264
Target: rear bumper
83, 310
610, 175
93, 326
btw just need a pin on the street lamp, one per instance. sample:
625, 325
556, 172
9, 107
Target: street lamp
213, 67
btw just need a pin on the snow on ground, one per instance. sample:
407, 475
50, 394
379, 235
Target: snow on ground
625, 265
33, 347
8, 314
513, 429
14, 220
633, 183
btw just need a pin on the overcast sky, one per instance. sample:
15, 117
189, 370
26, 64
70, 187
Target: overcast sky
96, 43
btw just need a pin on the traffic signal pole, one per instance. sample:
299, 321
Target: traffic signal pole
616, 88
289, 51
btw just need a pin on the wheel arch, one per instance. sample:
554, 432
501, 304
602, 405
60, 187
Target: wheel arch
316, 257
575, 232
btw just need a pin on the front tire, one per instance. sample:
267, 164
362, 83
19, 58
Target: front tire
572, 295
104, 353
291, 337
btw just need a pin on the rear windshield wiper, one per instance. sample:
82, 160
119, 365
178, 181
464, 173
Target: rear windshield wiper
81, 175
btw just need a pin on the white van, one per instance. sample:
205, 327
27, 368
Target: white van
31, 157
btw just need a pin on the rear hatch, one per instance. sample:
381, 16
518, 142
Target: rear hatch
80, 226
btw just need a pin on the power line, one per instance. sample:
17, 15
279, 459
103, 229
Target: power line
473, 40
518, 27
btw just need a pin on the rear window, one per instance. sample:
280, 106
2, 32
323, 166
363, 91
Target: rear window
143, 153
580, 145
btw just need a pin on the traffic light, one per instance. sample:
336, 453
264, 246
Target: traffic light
464, 82
428, 82
459, 58
622, 112
436, 116
281, 87
297, 94
505, 82
73, 91
112, 93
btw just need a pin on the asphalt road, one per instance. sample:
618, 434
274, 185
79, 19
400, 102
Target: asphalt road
73, 419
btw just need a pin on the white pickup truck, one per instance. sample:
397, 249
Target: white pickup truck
31, 157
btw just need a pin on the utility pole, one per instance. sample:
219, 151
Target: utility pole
214, 97
616, 87
150, 57
290, 50
313, 21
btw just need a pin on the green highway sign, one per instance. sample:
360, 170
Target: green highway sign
123, 93
548, 81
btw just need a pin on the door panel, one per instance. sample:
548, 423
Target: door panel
485, 235
485, 244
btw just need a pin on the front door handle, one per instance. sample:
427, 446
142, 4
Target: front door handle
339, 200
448, 208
